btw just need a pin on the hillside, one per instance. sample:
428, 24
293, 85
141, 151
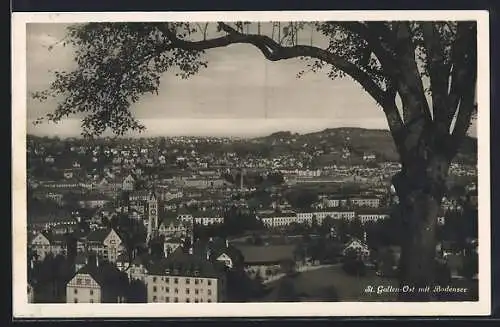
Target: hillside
358, 141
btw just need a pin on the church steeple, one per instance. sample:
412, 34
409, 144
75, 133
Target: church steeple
152, 205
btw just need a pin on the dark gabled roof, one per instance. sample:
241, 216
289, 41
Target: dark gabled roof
80, 258
54, 238
105, 274
267, 253
99, 235
218, 247
144, 259
180, 263
58, 238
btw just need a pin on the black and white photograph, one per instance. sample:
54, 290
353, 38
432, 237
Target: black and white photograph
271, 163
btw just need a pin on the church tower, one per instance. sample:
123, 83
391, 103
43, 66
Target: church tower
152, 216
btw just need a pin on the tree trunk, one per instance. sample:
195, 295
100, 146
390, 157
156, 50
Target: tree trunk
420, 187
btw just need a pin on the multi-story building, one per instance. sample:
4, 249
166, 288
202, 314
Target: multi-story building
104, 242
278, 220
307, 217
45, 243
173, 227
187, 278
97, 282
372, 215
368, 202
207, 218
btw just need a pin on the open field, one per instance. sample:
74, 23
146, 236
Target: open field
333, 284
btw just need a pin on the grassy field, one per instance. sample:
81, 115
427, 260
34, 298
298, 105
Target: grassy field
333, 284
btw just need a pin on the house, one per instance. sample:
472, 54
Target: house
186, 278
128, 183
139, 267
170, 244
104, 242
358, 247
220, 250
97, 282
68, 174
266, 261
45, 243
173, 227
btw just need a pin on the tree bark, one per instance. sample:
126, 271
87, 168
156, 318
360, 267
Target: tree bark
420, 187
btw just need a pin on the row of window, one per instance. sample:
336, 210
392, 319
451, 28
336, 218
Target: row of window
176, 299
176, 290
176, 280
79, 281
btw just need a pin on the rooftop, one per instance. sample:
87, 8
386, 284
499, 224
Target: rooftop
266, 253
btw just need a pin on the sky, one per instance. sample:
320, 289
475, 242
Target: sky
239, 94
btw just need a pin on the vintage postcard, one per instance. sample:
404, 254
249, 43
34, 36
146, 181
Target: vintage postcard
251, 164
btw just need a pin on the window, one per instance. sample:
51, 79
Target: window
176, 300
176, 291
87, 281
91, 292
209, 282
209, 301
91, 300
188, 300
196, 281
75, 291
167, 280
78, 281
188, 281
187, 290
154, 298
196, 301
209, 292
154, 279
167, 289
76, 300
167, 299
154, 288
176, 280
196, 291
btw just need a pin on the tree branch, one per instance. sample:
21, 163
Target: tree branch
410, 82
438, 72
273, 51
463, 68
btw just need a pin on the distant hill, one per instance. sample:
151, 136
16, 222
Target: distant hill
327, 146
359, 141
